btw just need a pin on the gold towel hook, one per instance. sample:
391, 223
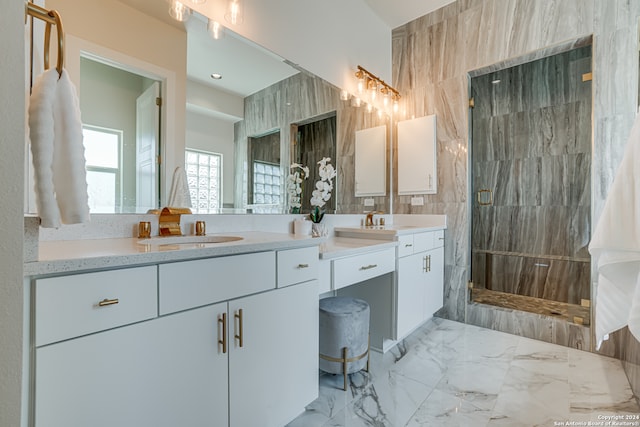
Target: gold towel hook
47, 37
51, 17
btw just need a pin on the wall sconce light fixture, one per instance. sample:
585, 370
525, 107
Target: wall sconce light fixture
179, 11
374, 85
235, 13
215, 30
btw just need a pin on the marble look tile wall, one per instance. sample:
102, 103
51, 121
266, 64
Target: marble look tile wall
301, 99
552, 279
432, 58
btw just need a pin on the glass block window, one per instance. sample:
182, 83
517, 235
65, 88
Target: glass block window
102, 152
266, 183
204, 175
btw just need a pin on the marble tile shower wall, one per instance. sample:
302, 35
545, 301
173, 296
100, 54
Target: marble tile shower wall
297, 100
532, 148
432, 57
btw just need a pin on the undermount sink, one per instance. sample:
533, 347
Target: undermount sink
186, 240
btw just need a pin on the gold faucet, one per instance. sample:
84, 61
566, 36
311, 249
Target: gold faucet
169, 221
369, 220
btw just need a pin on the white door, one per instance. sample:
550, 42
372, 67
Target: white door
165, 372
147, 137
274, 375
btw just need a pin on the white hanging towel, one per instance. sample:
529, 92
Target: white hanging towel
179, 195
615, 246
55, 130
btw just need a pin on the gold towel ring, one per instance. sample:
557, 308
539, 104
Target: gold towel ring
47, 39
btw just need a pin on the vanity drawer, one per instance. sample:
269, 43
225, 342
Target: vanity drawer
297, 265
347, 271
422, 242
427, 241
438, 238
80, 304
189, 284
405, 245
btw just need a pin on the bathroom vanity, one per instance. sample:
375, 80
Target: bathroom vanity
181, 336
183, 331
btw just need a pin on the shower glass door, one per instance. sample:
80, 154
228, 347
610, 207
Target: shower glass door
531, 175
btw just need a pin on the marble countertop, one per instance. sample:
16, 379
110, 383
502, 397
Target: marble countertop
91, 254
338, 247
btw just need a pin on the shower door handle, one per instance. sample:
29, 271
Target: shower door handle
482, 201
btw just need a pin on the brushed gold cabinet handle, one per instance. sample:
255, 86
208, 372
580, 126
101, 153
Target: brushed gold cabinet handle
303, 265
223, 320
238, 316
368, 267
105, 302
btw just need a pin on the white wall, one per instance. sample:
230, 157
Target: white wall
207, 133
12, 141
210, 99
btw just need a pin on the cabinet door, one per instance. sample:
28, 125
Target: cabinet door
434, 286
168, 372
274, 374
411, 293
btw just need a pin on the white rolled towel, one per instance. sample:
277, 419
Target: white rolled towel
179, 195
615, 247
55, 130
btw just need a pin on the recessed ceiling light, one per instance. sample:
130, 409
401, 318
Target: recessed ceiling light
495, 82
216, 76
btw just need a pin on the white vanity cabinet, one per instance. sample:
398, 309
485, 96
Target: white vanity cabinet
164, 372
273, 373
420, 277
223, 345
271, 334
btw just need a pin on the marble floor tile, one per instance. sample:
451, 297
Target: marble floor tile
446, 410
606, 388
451, 374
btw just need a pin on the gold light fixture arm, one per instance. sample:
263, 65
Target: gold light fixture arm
362, 72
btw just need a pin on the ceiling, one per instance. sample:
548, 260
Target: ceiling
239, 59
245, 66
398, 12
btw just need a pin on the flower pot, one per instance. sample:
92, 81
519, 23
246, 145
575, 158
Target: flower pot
319, 230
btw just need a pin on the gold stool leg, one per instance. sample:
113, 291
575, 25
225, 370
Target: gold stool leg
368, 352
344, 366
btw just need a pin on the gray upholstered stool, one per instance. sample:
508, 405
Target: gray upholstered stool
344, 335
